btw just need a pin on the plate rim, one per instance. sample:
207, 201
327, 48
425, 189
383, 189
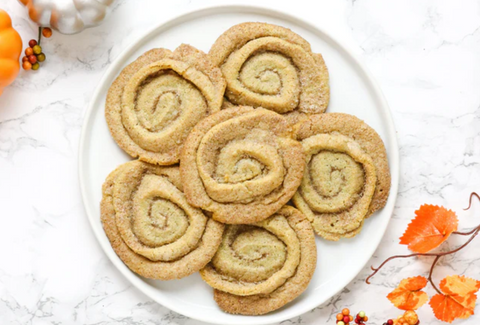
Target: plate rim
192, 13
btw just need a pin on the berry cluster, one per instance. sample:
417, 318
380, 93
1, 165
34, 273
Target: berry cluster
410, 317
361, 318
33, 53
344, 318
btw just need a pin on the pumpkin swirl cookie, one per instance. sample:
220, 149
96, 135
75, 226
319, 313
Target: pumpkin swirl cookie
347, 177
261, 267
241, 164
150, 225
157, 99
270, 66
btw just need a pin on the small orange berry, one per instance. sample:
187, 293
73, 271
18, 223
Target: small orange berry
27, 65
410, 317
346, 311
365, 318
28, 51
339, 316
351, 318
47, 32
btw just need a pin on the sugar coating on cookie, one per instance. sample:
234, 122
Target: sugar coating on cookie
261, 267
347, 177
246, 124
150, 224
157, 99
272, 67
241, 164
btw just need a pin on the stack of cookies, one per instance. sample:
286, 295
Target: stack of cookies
238, 166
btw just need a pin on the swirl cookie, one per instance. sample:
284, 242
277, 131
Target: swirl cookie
270, 66
150, 225
261, 267
241, 164
157, 99
347, 177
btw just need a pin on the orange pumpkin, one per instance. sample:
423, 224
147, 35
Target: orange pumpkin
10, 50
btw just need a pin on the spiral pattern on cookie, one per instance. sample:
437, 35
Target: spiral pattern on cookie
158, 99
340, 179
339, 182
151, 225
241, 164
271, 67
272, 260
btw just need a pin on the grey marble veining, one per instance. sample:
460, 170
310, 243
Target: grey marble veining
425, 55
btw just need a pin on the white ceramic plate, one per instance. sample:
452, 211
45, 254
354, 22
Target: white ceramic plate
352, 91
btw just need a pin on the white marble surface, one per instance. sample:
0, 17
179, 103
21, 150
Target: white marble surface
425, 55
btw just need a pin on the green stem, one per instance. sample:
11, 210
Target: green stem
39, 35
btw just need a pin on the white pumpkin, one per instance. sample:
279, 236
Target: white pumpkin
68, 16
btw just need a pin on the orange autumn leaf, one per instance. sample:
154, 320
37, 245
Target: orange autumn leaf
458, 300
430, 228
408, 294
